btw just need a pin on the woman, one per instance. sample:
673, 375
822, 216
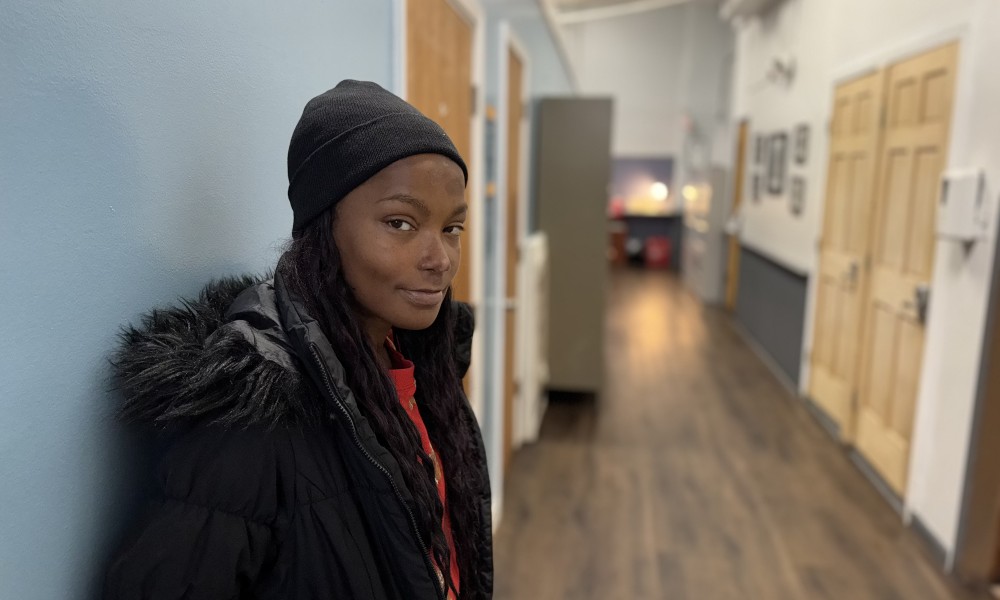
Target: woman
319, 441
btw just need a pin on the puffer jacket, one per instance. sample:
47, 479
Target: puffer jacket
273, 484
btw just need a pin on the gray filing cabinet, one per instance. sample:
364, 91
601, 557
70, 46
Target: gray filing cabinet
572, 172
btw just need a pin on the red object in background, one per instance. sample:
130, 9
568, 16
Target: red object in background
658, 252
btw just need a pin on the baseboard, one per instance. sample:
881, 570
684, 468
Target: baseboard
876, 480
930, 541
824, 420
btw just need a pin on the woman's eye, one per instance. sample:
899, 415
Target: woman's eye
400, 225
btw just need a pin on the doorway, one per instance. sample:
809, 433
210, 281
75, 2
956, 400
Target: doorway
439, 83
888, 148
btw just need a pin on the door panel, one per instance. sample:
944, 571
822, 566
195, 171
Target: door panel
439, 84
854, 140
733, 268
919, 104
515, 113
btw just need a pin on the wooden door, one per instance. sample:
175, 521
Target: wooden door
439, 84
733, 269
515, 114
919, 95
855, 133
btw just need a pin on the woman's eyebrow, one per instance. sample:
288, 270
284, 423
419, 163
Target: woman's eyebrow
408, 199
419, 204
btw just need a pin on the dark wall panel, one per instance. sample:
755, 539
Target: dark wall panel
771, 305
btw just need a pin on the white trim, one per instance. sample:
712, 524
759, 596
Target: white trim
900, 50
552, 20
614, 11
472, 12
498, 303
505, 41
526, 431
469, 10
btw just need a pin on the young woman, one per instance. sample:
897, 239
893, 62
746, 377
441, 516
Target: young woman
319, 443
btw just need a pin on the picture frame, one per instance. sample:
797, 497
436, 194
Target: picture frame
802, 144
797, 196
760, 149
755, 188
777, 147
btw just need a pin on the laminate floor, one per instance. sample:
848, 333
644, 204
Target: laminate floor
697, 476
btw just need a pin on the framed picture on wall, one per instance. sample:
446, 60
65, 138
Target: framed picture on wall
801, 144
797, 202
760, 149
776, 163
755, 185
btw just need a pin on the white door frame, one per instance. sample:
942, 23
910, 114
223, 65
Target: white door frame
521, 429
507, 40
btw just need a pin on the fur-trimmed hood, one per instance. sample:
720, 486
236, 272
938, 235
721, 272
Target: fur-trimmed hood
227, 357
195, 362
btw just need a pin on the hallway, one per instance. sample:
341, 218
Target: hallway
697, 476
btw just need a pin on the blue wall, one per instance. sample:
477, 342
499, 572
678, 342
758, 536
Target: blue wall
142, 153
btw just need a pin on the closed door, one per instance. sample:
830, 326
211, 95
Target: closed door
439, 84
919, 94
854, 141
515, 114
733, 267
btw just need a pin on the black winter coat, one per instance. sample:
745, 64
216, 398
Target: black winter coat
258, 499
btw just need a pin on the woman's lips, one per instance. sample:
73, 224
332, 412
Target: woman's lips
425, 298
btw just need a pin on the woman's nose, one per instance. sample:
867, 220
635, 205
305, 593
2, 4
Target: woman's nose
435, 255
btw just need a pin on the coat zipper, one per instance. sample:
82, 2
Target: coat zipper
357, 442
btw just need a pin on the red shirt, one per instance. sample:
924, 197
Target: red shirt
406, 388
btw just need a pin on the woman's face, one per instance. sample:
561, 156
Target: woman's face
399, 240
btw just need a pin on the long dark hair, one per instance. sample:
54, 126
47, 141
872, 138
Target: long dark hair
311, 266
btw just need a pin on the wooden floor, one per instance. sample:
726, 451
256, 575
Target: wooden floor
696, 476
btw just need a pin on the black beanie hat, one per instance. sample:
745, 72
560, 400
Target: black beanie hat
347, 135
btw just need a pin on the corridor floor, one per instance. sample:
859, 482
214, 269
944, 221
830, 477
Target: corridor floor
696, 476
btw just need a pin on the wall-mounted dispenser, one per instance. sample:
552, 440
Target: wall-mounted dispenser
962, 206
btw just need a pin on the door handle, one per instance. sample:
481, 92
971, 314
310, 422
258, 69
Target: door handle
919, 303
852, 272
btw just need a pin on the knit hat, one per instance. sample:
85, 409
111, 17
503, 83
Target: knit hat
347, 135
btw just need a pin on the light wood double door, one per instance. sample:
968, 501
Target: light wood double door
888, 142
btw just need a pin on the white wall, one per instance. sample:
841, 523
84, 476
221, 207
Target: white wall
658, 66
637, 60
550, 75
800, 29
960, 297
830, 43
